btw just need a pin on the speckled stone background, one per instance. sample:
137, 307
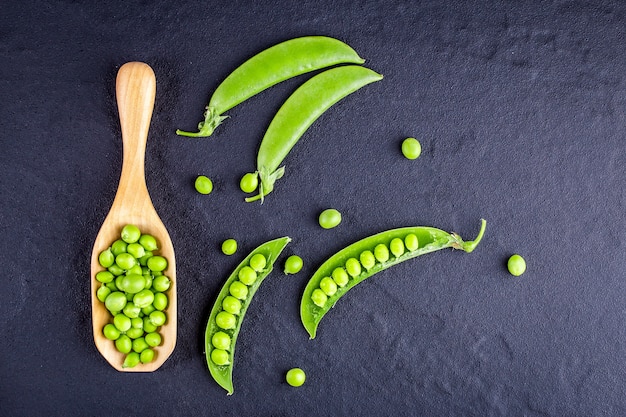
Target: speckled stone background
521, 111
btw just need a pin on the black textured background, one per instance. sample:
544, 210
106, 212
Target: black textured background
521, 111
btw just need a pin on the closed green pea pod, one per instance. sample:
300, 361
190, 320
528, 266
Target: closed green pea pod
315, 303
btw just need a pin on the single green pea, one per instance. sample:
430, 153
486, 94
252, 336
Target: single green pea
396, 246
411, 148
131, 360
105, 277
125, 261
111, 332
160, 301
153, 339
238, 290
293, 264
340, 276
381, 253
157, 263
134, 333
329, 218
220, 357
148, 242
229, 246
295, 377
516, 265
115, 270
115, 301
221, 340
231, 305
353, 267
140, 344
225, 320
135, 270
249, 182
328, 286
318, 297
123, 344
143, 261
111, 286
203, 185
147, 310
119, 246
247, 275
258, 262
367, 259
136, 250
131, 310
147, 356
136, 323
133, 283
411, 242
106, 258
157, 318
161, 283
103, 292
130, 233
143, 298
148, 326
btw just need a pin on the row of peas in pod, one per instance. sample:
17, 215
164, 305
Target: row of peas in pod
133, 290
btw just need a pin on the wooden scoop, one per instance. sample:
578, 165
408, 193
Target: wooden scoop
135, 91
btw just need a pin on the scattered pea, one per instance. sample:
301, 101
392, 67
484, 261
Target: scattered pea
115, 301
249, 182
111, 332
161, 283
147, 356
516, 265
140, 344
153, 339
411, 148
160, 301
329, 218
396, 246
293, 264
130, 233
103, 292
203, 185
131, 360
134, 333
123, 344
105, 276
119, 246
106, 258
367, 259
143, 298
135, 250
157, 263
295, 377
340, 276
122, 322
148, 242
157, 318
258, 262
229, 246
328, 286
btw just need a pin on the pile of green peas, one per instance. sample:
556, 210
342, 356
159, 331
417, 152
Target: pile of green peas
226, 319
133, 290
354, 267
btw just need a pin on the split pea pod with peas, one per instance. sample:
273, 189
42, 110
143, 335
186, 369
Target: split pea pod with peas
365, 258
299, 112
230, 308
269, 67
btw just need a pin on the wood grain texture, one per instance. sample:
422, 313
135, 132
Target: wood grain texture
135, 91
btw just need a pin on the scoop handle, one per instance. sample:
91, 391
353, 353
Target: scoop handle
135, 91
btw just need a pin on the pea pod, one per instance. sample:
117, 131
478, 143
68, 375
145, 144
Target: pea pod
230, 308
299, 112
269, 67
365, 258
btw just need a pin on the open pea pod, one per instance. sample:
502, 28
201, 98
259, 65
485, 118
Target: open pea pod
364, 258
230, 308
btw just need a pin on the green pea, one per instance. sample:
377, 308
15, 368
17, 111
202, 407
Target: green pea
148, 326
381, 253
157, 318
247, 275
153, 339
411, 242
130, 233
229, 246
115, 270
328, 286
231, 305
105, 277
238, 290
103, 292
119, 246
133, 283
123, 344
367, 259
293, 264
396, 246
112, 286
147, 310
143, 261
136, 322
143, 298
134, 333
203, 185
516, 265
225, 320
125, 261
353, 267
106, 258
161, 283
249, 182
157, 263
148, 242
318, 297
411, 148
160, 301
129, 297
111, 332
131, 310
131, 360
340, 276
136, 250
140, 344
221, 340
146, 356
329, 218
220, 357
135, 270
258, 262
115, 301
295, 377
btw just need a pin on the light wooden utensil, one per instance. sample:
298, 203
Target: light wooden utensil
135, 91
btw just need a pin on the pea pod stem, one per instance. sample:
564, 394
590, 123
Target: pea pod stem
430, 240
223, 374
269, 67
299, 112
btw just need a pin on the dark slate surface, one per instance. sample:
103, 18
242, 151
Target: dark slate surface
521, 110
